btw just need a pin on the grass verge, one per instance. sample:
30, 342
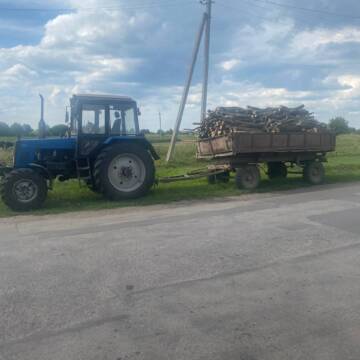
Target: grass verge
343, 166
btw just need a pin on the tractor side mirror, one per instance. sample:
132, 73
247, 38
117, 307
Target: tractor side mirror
138, 112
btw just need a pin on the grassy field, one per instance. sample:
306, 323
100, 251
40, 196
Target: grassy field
343, 166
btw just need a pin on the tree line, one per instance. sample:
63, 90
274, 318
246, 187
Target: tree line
338, 125
26, 130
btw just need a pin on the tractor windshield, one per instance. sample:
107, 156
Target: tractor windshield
93, 119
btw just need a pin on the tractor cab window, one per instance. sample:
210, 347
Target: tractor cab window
123, 120
93, 119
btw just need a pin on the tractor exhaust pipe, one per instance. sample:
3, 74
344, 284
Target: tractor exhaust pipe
42, 125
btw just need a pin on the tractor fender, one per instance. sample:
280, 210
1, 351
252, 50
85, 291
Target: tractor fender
43, 171
153, 152
141, 141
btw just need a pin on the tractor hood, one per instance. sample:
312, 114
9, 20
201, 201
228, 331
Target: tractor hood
27, 151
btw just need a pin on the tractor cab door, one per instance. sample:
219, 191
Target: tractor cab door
93, 128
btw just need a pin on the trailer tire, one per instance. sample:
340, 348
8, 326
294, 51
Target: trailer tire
124, 171
277, 170
247, 177
314, 173
24, 190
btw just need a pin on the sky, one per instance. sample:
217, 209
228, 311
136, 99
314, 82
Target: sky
263, 53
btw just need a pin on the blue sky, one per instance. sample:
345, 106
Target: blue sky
262, 54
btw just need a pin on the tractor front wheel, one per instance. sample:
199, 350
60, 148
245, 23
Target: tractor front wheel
124, 171
24, 190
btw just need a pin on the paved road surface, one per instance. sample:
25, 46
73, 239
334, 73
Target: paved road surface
264, 277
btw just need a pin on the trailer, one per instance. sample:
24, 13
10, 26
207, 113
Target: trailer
244, 152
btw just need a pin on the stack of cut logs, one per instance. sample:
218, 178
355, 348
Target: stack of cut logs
228, 120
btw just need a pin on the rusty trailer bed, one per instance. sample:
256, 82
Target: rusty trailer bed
261, 143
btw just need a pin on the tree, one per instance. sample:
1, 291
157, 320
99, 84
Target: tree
16, 129
145, 131
4, 129
27, 130
58, 130
339, 125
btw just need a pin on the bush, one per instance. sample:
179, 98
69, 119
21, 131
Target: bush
4, 129
58, 130
339, 126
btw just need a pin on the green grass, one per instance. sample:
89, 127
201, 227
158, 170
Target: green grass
343, 166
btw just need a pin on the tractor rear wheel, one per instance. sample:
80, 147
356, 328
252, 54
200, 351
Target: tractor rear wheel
124, 171
24, 190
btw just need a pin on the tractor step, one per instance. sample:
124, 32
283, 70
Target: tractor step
83, 170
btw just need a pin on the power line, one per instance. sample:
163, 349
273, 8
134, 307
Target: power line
252, 13
318, 11
125, 7
299, 18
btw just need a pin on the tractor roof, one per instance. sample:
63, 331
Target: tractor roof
102, 97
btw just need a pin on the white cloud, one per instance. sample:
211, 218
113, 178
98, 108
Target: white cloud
84, 51
106, 51
311, 40
229, 64
272, 42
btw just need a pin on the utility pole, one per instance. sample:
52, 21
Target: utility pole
160, 123
204, 27
42, 125
208, 4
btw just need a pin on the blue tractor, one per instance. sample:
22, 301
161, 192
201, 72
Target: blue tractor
103, 149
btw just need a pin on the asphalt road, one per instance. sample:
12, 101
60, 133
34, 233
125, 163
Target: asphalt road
258, 277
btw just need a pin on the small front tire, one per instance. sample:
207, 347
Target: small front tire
24, 190
314, 173
247, 177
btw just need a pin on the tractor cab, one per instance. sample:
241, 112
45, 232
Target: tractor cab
98, 118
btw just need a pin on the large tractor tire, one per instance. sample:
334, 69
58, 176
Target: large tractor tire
24, 190
124, 171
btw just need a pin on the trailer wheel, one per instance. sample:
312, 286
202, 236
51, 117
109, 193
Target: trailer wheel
277, 170
124, 171
314, 173
24, 190
247, 177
